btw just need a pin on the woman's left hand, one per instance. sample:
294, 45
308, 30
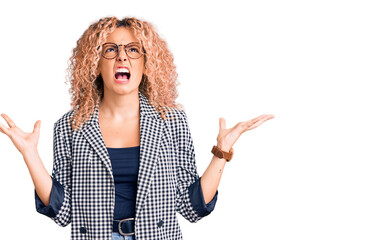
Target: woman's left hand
227, 137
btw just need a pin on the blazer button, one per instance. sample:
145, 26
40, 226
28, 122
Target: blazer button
160, 223
83, 230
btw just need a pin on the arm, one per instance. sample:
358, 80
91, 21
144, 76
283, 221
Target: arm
227, 137
211, 178
55, 195
190, 198
57, 206
40, 176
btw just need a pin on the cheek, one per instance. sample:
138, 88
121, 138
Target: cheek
139, 66
105, 69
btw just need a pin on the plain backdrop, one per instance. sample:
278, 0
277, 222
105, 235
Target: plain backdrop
319, 170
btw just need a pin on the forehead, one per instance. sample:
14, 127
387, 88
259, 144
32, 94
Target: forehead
122, 35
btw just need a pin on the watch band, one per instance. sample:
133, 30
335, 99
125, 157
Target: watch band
222, 154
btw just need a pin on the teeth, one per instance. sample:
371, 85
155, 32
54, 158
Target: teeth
124, 70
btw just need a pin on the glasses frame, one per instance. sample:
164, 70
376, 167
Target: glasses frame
119, 49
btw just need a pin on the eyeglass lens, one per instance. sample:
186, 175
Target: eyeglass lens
111, 51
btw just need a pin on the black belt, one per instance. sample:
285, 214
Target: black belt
125, 226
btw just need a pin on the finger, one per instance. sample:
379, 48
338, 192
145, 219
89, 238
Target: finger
4, 129
255, 125
254, 120
259, 123
264, 117
8, 120
268, 116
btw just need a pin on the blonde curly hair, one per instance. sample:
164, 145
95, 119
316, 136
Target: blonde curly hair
159, 80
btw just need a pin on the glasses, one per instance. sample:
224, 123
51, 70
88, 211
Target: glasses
111, 50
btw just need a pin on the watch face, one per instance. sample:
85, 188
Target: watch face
217, 153
220, 154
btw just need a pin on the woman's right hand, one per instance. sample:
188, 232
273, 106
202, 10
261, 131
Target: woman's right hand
23, 141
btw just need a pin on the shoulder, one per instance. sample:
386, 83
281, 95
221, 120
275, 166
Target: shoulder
63, 123
179, 126
177, 117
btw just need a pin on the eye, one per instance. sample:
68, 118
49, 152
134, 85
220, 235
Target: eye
133, 49
110, 49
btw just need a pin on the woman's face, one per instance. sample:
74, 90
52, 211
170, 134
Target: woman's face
113, 71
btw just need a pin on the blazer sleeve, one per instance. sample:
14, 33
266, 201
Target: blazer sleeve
59, 208
190, 201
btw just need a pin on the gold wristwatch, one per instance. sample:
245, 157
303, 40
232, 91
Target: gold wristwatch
221, 154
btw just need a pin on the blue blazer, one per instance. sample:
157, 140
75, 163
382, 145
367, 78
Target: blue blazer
83, 191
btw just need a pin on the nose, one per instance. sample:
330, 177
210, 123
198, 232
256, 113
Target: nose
122, 55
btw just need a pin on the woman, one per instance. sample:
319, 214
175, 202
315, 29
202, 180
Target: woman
124, 160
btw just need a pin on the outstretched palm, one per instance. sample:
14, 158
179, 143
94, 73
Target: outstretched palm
23, 141
228, 137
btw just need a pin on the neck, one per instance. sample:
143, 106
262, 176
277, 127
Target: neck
120, 107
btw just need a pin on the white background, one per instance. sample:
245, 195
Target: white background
319, 170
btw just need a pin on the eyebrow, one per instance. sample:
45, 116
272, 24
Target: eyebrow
126, 44
132, 43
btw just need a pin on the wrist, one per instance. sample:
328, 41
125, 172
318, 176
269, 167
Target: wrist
221, 153
30, 153
223, 147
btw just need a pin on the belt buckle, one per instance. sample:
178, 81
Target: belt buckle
120, 230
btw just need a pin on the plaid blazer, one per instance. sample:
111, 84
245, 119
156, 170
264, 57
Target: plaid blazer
83, 191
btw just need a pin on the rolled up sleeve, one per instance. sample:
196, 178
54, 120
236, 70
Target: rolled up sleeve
59, 208
198, 201
190, 202
55, 202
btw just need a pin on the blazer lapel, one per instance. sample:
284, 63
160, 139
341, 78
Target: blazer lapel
94, 136
151, 128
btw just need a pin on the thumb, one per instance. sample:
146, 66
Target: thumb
37, 126
222, 123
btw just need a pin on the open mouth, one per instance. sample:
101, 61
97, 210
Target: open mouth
122, 74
